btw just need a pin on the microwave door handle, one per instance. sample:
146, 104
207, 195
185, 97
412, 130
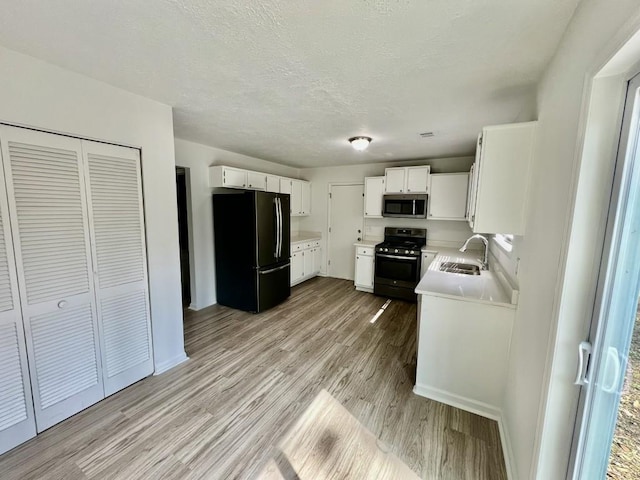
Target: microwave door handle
414, 206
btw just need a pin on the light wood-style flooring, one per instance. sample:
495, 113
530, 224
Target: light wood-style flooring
250, 377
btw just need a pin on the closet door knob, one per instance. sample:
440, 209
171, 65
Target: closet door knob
62, 303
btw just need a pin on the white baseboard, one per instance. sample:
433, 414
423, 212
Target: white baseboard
468, 404
169, 364
479, 408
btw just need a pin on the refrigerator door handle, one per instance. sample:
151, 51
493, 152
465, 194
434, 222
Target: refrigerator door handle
275, 205
274, 269
279, 227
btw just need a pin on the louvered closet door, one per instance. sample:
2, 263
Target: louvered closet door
120, 262
17, 420
49, 224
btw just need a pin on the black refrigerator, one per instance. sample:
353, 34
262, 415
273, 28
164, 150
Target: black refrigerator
252, 249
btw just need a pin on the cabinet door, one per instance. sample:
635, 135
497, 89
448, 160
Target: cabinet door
448, 197
50, 230
364, 271
473, 184
427, 258
285, 185
418, 179
394, 180
119, 262
273, 184
297, 267
257, 180
373, 194
317, 260
234, 177
17, 420
296, 198
306, 198
307, 255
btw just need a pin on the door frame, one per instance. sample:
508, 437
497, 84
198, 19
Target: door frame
330, 188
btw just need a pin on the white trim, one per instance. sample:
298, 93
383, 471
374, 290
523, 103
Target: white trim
479, 408
169, 364
464, 403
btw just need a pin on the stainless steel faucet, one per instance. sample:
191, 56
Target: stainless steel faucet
485, 262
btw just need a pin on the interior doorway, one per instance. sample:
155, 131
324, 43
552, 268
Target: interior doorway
182, 188
346, 227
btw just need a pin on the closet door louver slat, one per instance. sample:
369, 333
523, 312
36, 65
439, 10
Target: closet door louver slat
117, 224
50, 228
17, 419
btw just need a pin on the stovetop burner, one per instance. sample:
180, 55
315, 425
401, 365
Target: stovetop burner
403, 241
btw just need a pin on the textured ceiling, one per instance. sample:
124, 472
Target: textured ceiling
290, 81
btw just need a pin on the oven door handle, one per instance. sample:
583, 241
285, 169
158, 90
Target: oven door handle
396, 257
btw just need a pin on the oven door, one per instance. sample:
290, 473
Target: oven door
397, 270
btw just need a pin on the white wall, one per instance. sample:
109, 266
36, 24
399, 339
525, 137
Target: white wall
320, 178
544, 248
34, 93
198, 158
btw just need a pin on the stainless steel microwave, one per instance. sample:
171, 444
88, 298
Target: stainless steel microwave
405, 206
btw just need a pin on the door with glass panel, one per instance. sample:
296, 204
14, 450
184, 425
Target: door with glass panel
605, 356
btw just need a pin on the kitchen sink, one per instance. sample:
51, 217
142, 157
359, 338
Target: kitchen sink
464, 268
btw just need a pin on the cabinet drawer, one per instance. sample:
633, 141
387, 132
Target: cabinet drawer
365, 251
296, 247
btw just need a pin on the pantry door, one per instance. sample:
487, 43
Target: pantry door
120, 262
50, 229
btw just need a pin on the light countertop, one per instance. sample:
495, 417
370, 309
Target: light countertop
305, 237
483, 288
368, 242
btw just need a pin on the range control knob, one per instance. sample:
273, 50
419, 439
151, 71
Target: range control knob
396, 250
406, 251
412, 252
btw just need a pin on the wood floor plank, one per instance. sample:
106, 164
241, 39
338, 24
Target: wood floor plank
250, 377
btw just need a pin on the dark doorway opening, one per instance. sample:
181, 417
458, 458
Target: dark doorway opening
183, 235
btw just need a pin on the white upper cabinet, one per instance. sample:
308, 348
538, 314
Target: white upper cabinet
273, 183
286, 185
407, 179
306, 198
394, 180
448, 196
373, 194
500, 180
418, 179
256, 181
300, 198
227, 177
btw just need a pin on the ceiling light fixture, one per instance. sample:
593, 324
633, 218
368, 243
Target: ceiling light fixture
360, 143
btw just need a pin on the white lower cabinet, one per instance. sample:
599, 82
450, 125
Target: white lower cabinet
73, 278
427, 258
364, 274
306, 260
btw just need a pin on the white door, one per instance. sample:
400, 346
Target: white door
394, 181
616, 309
346, 222
17, 420
120, 262
49, 224
373, 194
364, 271
418, 179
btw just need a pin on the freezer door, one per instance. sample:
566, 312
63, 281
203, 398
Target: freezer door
267, 224
273, 286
